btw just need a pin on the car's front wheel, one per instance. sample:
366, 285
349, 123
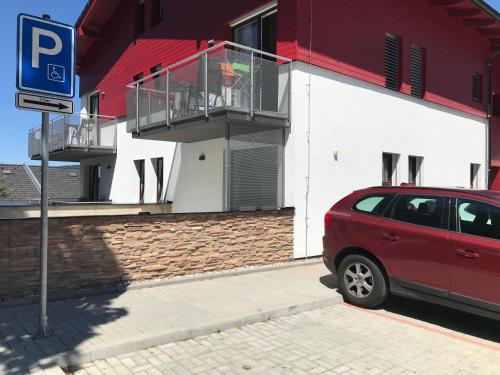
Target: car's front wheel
361, 281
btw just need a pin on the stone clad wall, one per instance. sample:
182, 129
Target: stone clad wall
96, 251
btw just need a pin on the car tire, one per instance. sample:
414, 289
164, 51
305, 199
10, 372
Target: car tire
361, 281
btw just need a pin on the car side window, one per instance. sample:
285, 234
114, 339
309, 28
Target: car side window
420, 210
478, 219
373, 204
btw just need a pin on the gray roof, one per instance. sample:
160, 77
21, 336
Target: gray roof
64, 183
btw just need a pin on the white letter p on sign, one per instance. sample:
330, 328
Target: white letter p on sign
37, 50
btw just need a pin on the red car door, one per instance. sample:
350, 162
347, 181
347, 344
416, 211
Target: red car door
412, 241
475, 252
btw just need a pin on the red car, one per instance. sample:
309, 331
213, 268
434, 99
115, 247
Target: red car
438, 245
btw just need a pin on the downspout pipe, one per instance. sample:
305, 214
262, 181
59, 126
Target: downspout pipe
490, 115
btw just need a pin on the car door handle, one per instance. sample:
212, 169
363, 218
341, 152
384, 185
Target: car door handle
467, 254
390, 236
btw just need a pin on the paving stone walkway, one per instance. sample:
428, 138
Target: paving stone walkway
333, 340
101, 326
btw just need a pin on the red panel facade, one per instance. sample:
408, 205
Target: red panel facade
111, 64
495, 180
495, 140
495, 122
347, 37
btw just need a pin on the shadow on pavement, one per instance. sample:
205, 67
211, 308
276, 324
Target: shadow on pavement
448, 318
456, 320
330, 281
80, 255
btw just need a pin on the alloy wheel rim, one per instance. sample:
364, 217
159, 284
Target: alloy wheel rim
358, 280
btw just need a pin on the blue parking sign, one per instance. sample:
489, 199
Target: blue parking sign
45, 56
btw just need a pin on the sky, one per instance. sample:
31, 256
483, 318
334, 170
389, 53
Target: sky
14, 123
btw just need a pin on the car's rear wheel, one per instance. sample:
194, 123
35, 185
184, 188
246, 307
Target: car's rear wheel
361, 281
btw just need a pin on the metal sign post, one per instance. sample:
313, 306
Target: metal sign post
44, 228
45, 65
44, 221
43, 324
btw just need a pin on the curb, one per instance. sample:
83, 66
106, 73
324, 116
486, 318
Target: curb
119, 288
75, 358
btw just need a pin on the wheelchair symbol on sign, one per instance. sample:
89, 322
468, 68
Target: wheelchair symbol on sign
55, 73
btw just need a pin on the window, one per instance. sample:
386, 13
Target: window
139, 166
155, 69
157, 9
414, 170
158, 167
392, 62
477, 87
248, 34
479, 219
417, 71
94, 104
94, 172
419, 210
139, 18
92, 133
259, 32
138, 77
374, 204
389, 170
156, 76
474, 175
268, 32
159, 86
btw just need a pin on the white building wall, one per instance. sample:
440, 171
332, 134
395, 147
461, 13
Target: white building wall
360, 121
119, 181
200, 183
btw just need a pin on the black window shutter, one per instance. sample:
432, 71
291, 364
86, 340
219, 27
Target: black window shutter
417, 71
477, 87
392, 62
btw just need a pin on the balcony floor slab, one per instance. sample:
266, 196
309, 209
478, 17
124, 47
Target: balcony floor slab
200, 128
77, 153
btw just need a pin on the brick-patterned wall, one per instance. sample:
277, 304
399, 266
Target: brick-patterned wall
96, 251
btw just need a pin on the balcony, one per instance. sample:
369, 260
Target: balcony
196, 98
73, 138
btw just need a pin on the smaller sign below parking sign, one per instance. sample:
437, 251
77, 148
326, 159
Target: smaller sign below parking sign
45, 56
43, 103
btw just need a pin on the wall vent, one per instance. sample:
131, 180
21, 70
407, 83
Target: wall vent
477, 87
392, 62
417, 71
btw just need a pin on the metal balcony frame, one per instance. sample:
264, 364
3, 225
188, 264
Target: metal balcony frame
86, 148
167, 70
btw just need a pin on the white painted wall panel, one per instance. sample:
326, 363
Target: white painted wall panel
361, 121
119, 177
200, 183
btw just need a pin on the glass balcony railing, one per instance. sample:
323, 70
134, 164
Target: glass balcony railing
77, 132
225, 77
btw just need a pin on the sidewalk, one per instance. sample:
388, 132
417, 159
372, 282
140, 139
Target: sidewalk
338, 340
95, 327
